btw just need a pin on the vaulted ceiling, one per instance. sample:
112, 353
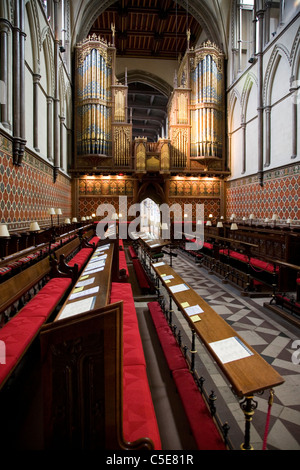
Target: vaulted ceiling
154, 29
147, 28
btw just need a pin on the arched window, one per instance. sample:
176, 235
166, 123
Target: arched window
243, 35
246, 33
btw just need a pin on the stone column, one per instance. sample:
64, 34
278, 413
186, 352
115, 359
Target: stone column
4, 30
243, 126
56, 130
49, 129
16, 81
36, 80
295, 99
62, 120
260, 17
268, 136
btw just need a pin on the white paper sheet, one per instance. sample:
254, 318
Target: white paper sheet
166, 278
102, 248
193, 310
80, 306
230, 349
98, 264
158, 264
179, 288
91, 291
85, 283
92, 271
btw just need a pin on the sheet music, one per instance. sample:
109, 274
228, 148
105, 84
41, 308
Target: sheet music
93, 290
85, 283
102, 248
95, 265
179, 288
93, 271
193, 310
80, 306
230, 349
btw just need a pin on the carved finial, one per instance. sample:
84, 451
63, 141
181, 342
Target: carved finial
113, 29
188, 34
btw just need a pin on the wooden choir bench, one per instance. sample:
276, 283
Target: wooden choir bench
101, 352
202, 425
21, 330
236, 265
53, 284
18, 261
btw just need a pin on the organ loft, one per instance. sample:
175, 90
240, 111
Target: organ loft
189, 148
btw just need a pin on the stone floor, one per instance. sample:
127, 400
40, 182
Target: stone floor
271, 336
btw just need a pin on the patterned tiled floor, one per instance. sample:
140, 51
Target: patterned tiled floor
270, 336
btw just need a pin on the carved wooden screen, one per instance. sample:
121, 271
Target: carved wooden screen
82, 380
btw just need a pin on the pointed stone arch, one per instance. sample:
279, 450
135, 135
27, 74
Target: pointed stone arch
279, 51
234, 99
251, 80
295, 58
49, 63
151, 190
34, 26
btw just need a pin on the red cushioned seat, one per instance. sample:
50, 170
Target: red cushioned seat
202, 425
132, 252
263, 265
123, 291
298, 280
209, 246
17, 335
122, 261
5, 270
157, 315
140, 273
19, 332
81, 258
171, 349
15, 264
44, 302
94, 240
139, 419
133, 352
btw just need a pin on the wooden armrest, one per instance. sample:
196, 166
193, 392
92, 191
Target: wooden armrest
63, 268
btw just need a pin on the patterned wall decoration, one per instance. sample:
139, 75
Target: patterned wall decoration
94, 191
106, 186
211, 206
280, 194
27, 192
192, 188
89, 205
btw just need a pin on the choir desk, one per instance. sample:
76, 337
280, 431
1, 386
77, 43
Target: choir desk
245, 369
92, 290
